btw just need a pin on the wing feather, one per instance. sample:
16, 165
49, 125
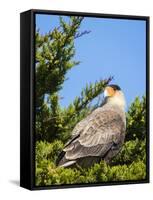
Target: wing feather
96, 135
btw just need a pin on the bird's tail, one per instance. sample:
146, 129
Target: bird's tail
63, 162
68, 164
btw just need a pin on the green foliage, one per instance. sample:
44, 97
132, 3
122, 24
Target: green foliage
133, 150
45, 150
129, 164
54, 58
49, 174
136, 120
54, 53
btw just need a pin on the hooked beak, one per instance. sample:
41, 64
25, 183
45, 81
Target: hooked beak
105, 93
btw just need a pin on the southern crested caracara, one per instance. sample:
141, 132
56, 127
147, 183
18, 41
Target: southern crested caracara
100, 135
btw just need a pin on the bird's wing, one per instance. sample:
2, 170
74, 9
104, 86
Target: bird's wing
78, 129
100, 132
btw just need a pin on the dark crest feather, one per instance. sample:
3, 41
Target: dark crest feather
115, 87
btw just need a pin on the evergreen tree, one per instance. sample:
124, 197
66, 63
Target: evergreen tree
54, 58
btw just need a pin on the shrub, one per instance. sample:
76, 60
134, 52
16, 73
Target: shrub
129, 164
49, 174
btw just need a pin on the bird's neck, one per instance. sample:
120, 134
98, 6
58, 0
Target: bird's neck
118, 101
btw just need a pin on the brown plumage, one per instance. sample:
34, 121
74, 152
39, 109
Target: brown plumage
100, 135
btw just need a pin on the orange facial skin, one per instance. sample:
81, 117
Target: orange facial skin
110, 91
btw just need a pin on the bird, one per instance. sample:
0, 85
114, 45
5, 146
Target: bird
100, 135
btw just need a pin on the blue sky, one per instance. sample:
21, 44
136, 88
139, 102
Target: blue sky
114, 47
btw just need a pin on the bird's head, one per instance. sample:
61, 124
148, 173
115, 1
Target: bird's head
114, 96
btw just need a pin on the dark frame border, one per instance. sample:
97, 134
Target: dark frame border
27, 97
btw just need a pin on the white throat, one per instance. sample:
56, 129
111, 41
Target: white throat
118, 100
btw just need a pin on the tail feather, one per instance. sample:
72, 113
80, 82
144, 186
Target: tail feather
63, 162
68, 163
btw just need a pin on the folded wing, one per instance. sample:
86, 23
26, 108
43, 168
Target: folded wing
94, 137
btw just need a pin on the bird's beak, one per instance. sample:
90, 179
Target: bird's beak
105, 93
